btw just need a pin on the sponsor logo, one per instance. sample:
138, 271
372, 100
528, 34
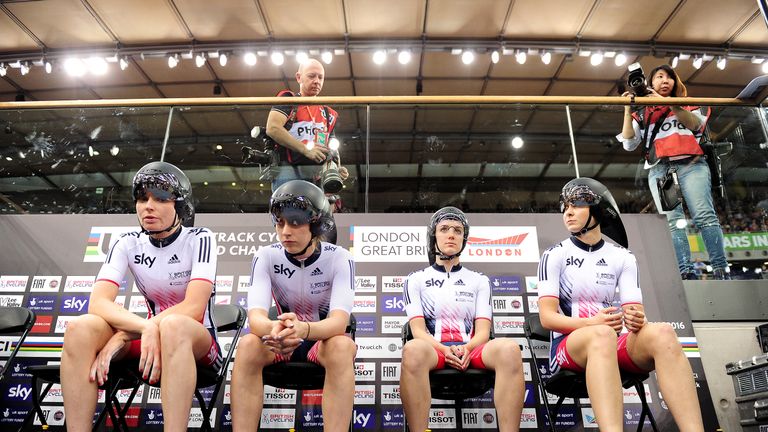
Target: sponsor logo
283, 270
390, 394
365, 394
174, 260
100, 240
243, 283
393, 303
530, 395
531, 284
502, 244
365, 283
533, 305
513, 304
138, 304
11, 300
62, 322
223, 299
566, 417
144, 259
312, 417
312, 397
278, 396
390, 371
363, 418
442, 418
378, 347
54, 415
13, 283
224, 283
588, 418
172, 276
364, 304
75, 304
19, 392
631, 396
153, 417
278, 418
392, 283
392, 418
459, 283
478, 418
79, 283
508, 324
528, 419
196, 418
690, 347
392, 324
506, 284
365, 324
365, 371
42, 324
39, 303
600, 263
574, 261
45, 284
434, 282
316, 272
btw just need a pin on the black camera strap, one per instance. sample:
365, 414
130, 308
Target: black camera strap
656, 128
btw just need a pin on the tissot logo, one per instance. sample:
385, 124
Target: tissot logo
283, 270
144, 259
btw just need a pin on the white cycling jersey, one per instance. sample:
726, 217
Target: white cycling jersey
449, 302
323, 282
163, 273
588, 278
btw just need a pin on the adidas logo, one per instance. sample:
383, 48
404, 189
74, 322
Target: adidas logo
602, 262
174, 260
316, 272
459, 283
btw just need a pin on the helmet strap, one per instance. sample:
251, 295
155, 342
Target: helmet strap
303, 251
586, 227
176, 222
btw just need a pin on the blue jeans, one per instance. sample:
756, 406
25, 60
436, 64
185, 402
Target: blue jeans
286, 173
695, 183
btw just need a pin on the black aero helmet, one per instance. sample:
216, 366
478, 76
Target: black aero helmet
584, 191
301, 202
166, 182
445, 213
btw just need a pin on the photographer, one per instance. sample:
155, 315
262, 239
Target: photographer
302, 133
670, 136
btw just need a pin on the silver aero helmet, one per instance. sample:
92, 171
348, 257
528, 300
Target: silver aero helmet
445, 213
166, 182
301, 202
584, 191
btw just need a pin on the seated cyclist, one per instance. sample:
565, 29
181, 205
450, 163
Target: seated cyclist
174, 268
312, 283
579, 279
449, 312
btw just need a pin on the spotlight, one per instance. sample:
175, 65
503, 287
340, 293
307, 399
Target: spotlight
250, 59
277, 58
517, 142
721, 63
404, 57
74, 67
24, 68
123, 63
546, 57
765, 67
114, 150
380, 57
675, 61
48, 66
219, 147
96, 65
301, 57
3, 69
467, 57
334, 143
681, 223
697, 62
173, 60
223, 58
326, 57
216, 89
495, 57
620, 59
200, 60
757, 60
596, 58
521, 57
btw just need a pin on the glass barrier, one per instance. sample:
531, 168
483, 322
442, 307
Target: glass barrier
498, 158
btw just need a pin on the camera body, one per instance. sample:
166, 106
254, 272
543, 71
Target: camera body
636, 80
266, 156
330, 178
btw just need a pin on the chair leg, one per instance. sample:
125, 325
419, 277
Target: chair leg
646, 410
205, 410
36, 400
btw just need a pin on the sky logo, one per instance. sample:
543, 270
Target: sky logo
74, 304
393, 304
363, 418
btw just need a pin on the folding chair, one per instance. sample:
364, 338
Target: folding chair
227, 318
297, 375
570, 384
453, 384
14, 320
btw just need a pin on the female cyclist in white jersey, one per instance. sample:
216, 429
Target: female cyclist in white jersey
578, 281
174, 268
449, 311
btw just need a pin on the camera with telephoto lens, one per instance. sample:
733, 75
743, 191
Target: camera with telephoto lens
266, 156
330, 178
636, 80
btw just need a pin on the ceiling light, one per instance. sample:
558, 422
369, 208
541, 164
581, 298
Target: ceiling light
517, 142
24, 68
90, 151
585, 53
765, 67
596, 58
456, 51
200, 60
22, 155
219, 147
277, 58
467, 57
3, 69
96, 65
8, 158
521, 57
495, 57
48, 66
620, 59
74, 67
250, 59
675, 61
326, 57
223, 58
379, 57
697, 62
546, 57
302, 57
404, 57
114, 150
757, 60
123, 63
173, 60
721, 63
684, 56
334, 143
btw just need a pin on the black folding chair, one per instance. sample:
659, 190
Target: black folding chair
300, 375
14, 320
453, 384
570, 384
